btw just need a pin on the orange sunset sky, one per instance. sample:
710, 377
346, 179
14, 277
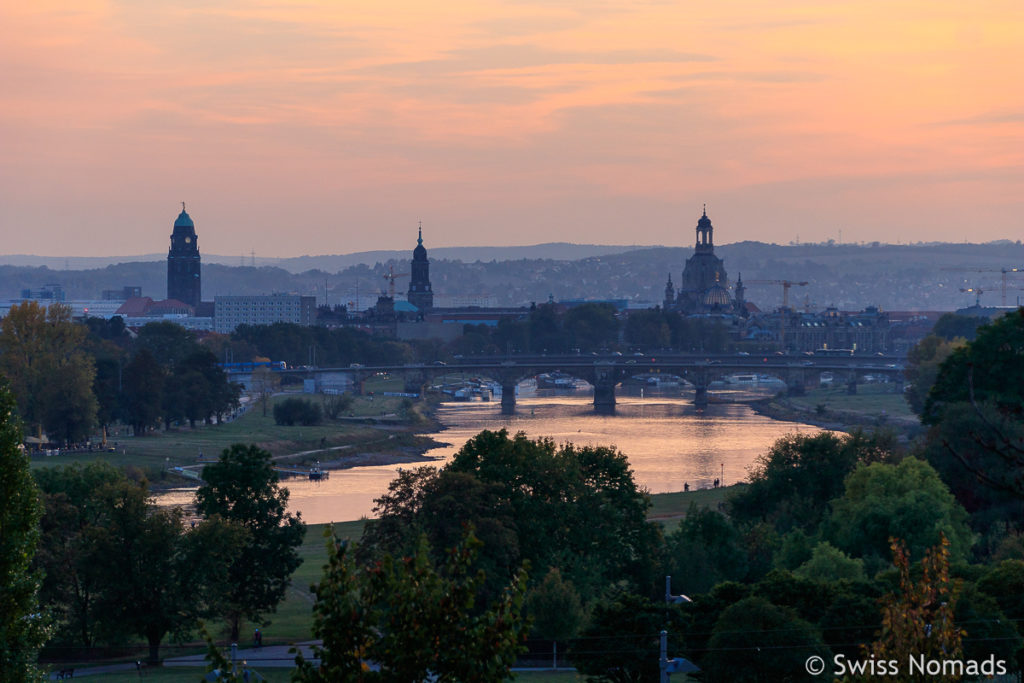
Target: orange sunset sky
325, 126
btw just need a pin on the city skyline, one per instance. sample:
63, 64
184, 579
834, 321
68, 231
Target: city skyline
319, 129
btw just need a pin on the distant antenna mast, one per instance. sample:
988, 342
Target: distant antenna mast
253, 258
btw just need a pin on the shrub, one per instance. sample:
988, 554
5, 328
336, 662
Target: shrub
294, 411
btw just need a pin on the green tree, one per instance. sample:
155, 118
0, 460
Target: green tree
754, 640
951, 326
1005, 583
74, 574
577, 509
828, 563
906, 501
622, 642
142, 394
415, 621
791, 485
976, 412
117, 566
923, 362
242, 487
648, 329
22, 626
987, 630
51, 375
168, 343
555, 608
987, 370
591, 326
706, 549
292, 411
146, 587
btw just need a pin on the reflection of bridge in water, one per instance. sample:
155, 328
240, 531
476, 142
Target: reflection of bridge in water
605, 372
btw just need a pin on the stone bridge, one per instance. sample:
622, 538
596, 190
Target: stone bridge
606, 371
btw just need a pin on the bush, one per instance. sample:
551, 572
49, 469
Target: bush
294, 411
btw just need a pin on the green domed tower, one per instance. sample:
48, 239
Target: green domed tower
183, 280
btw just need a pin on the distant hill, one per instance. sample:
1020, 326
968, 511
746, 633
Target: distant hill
851, 277
563, 251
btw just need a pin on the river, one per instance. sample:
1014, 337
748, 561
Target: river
668, 442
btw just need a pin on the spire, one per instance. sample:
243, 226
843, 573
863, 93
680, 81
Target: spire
419, 240
183, 207
705, 210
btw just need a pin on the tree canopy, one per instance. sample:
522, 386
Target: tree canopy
413, 620
22, 627
574, 508
906, 501
792, 484
50, 373
242, 487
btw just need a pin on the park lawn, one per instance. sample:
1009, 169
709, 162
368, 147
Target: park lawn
294, 617
182, 445
174, 674
872, 400
177, 674
668, 505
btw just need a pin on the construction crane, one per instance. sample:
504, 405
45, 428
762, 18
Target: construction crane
978, 293
391, 276
786, 284
1003, 271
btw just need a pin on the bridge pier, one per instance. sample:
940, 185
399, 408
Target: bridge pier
851, 385
795, 387
604, 397
700, 396
508, 397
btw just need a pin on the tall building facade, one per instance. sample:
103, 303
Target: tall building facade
231, 311
183, 279
420, 294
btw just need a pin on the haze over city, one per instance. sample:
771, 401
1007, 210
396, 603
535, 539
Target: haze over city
332, 128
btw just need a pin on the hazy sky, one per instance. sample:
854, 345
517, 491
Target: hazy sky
326, 126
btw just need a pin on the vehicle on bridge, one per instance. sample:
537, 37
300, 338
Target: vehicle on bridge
252, 365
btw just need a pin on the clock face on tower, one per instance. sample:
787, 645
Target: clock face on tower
188, 240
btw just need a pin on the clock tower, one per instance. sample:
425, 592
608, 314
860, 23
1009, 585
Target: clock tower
183, 281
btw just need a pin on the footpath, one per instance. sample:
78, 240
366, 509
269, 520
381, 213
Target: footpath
266, 657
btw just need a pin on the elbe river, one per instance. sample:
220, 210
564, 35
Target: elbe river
668, 443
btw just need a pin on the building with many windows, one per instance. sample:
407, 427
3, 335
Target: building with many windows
231, 311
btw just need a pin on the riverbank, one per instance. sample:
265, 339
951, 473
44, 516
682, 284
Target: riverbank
375, 430
875, 406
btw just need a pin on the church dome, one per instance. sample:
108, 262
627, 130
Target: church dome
704, 222
716, 296
420, 252
184, 220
